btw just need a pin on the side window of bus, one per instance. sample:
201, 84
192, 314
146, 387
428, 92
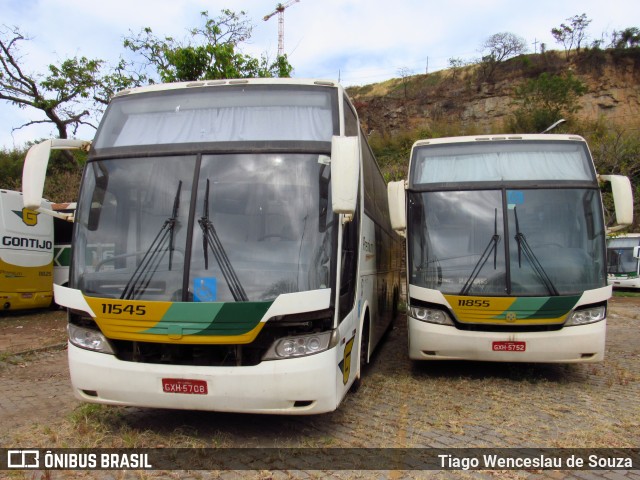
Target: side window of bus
350, 249
350, 233
102, 182
324, 217
351, 127
368, 172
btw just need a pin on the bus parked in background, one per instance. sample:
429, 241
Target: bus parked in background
623, 260
232, 249
26, 253
506, 248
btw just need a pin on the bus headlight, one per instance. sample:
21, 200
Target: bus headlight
430, 315
300, 346
586, 315
88, 339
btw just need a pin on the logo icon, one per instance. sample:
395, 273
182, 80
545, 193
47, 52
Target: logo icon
29, 217
23, 459
511, 317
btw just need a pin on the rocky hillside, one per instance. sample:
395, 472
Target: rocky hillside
462, 97
461, 101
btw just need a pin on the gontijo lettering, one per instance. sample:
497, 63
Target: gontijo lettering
24, 242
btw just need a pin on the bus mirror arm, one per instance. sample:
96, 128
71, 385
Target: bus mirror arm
622, 198
34, 171
67, 217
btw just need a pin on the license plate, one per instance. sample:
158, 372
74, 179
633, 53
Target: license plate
27, 295
182, 385
509, 346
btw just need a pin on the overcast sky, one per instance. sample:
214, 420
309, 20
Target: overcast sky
356, 41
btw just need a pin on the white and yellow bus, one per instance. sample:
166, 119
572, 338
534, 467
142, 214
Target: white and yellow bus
26, 255
506, 248
232, 249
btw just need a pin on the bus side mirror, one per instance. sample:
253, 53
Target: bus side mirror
397, 206
345, 171
622, 198
636, 252
34, 170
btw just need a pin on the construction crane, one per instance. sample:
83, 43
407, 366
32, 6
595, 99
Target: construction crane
280, 11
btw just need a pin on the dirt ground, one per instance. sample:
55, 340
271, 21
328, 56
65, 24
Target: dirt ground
24, 331
401, 404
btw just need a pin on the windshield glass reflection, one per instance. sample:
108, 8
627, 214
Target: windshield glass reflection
264, 221
458, 239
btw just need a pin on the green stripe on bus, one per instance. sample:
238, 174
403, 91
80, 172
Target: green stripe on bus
541, 307
61, 256
222, 319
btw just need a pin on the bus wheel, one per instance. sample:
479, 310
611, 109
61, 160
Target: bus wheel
363, 362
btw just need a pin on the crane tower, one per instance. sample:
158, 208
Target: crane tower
280, 11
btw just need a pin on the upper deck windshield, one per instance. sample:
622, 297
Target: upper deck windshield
238, 113
478, 225
502, 161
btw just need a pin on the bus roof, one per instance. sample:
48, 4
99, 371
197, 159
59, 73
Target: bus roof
240, 81
491, 138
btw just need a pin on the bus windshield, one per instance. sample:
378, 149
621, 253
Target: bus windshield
543, 243
225, 227
620, 255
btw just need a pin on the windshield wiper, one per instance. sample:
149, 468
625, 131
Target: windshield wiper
153, 256
523, 246
491, 246
211, 240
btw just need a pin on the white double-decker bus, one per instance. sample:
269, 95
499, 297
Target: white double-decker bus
232, 249
506, 248
26, 255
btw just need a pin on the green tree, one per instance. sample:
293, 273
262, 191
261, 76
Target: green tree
210, 52
544, 100
616, 150
117, 78
455, 65
627, 38
63, 94
11, 162
573, 34
498, 48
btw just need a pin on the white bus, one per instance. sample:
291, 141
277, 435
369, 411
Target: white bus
232, 249
623, 260
26, 254
506, 248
